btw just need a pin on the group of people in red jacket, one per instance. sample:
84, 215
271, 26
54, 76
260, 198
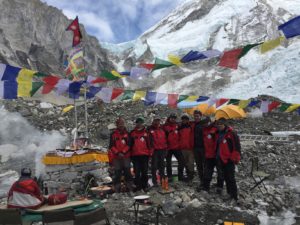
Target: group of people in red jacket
210, 145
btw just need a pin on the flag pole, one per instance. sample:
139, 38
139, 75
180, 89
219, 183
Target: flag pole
76, 123
85, 96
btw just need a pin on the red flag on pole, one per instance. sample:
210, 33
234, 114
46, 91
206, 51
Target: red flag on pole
74, 26
230, 58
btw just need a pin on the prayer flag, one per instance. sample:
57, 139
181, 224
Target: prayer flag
264, 106
68, 108
148, 66
62, 86
116, 74
182, 98
253, 103
292, 107
24, 81
8, 72
116, 92
150, 98
160, 97
74, 89
192, 98
273, 105
291, 28
35, 87
212, 53
284, 106
174, 59
244, 103
8, 89
127, 95
233, 102
74, 27
105, 94
93, 91
50, 82
137, 72
202, 98
192, 56
172, 100
159, 64
230, 59
138, 95
221, 101
108, 76
269, 45
246, 49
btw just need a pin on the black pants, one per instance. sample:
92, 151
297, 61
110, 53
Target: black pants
140, 165
226, 172
122, 166
158, 163
209, 167
178, 155
199, 155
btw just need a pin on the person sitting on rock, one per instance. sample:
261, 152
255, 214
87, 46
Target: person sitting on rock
120, 155
228, 154
25, 193
140, 152
158, 142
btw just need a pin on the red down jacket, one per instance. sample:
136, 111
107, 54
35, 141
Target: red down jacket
140, 143
158, 139
25, 193
186, 138
171, 130
119, 143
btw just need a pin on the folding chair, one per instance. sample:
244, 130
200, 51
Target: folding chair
93, 217
257, 175
58, 216
10, 216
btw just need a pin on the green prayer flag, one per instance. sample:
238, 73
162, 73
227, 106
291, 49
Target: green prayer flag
159, 64
127, 95
108, 75
233, 102
39, 74
35, 87
182, 98
246, 49
284, 106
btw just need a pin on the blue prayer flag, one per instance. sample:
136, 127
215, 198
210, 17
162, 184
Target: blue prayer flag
74, 89
10, 90
192, 56
93, 91
150, 98
291, 28
10, 73
202, 98
253, 103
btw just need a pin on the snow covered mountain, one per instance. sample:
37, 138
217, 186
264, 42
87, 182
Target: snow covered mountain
223, 25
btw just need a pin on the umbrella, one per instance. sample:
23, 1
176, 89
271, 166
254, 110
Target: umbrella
230, 112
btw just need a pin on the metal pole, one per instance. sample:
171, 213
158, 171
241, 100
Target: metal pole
86, 114
76, 122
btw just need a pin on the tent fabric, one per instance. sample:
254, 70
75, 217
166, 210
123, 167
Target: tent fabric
202, 108
230, 112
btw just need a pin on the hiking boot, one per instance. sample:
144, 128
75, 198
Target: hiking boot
219, 191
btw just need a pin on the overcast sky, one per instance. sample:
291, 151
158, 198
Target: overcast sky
116, 21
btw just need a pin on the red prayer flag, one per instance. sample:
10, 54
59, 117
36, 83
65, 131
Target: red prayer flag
74, 26
273, 105
172, 100
221, 101
148, 66
230, 58
99, 80
116, 92
50, 82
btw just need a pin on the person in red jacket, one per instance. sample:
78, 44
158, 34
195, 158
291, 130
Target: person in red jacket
186, 140
227, 151
171, 129
120, 155
25, 193
140, 152
158, 142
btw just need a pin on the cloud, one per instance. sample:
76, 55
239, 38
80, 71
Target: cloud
116, 21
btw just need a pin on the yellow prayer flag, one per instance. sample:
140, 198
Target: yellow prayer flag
138, 95
24, 81
174, 59
269, 45
192, 98
116, 74
244, 103
68, 108
292, 107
